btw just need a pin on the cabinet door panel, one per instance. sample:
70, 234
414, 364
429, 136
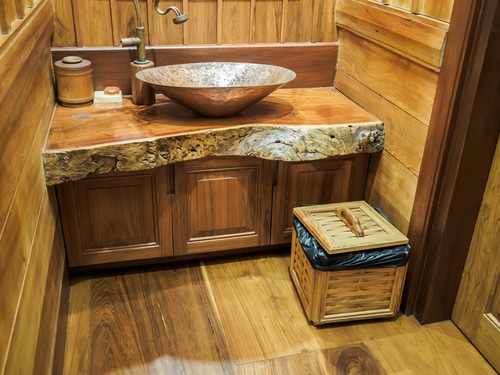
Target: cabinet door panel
115, 215
314, 182
222, 203
115, 218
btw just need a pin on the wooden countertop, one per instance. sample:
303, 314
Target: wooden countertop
289, 125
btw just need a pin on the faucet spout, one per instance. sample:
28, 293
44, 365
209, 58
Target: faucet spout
179, 16
139, 39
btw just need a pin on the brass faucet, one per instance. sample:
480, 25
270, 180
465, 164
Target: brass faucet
138, 40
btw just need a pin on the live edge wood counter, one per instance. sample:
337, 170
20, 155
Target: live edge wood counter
289, 125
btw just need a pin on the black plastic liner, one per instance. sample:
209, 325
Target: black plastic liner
386, 257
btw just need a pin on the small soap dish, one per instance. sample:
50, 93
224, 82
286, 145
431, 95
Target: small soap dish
111, 94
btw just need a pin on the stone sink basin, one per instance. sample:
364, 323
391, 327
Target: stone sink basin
216, 89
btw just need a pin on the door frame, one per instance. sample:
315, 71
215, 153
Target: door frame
458, 154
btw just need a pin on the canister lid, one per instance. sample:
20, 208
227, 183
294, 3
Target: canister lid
326, 225
72, 63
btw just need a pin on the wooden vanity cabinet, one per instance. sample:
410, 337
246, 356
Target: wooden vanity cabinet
332, 180
198, 206
221, 203
116, 217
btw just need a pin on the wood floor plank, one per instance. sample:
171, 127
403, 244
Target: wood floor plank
76, 357
240, 315
283, 292
350, 359
155, 322
252, 316
403, 346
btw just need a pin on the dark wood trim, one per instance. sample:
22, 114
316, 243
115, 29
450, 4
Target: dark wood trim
461, 143
314, 63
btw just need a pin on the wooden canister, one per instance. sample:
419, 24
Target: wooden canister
75, 86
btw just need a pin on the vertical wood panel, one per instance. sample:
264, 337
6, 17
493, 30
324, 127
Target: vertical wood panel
202, 24
104, 22
235, 25
437, 9
324, 28
162, 30
403, 4
64, 33
20, 6
7, 15
124, 19
267, 21
93, 23
298, 21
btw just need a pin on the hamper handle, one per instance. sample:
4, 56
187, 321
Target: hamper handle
349, 219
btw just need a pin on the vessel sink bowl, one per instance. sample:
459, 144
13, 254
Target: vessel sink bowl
216, 89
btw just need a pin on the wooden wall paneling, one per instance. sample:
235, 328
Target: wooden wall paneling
64, 28
22, 352
405, 136
7, 15
52, 328
235, 21
395, 183
403, 4
93, 23
19, 237
397, 31
22, 45
161, 30
267, 21
96, 23
375, 197
404, 83
298, 21
17, 127
440, 10
26, 222
202, 25
313, 63
124, 19
324, 23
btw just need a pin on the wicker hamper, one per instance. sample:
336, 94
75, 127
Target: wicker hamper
346, 294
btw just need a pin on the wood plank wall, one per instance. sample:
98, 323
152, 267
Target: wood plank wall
93, 23
389, 62
32, 257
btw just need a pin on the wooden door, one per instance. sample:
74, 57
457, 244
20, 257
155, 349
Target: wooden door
221, 203
477, 308
116, 217
314, 182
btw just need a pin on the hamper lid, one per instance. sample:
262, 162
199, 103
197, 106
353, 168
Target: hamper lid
348, 226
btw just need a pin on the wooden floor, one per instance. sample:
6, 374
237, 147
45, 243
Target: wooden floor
240, 315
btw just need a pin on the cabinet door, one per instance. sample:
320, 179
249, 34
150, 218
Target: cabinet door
116, 217
314, 182
221, 203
